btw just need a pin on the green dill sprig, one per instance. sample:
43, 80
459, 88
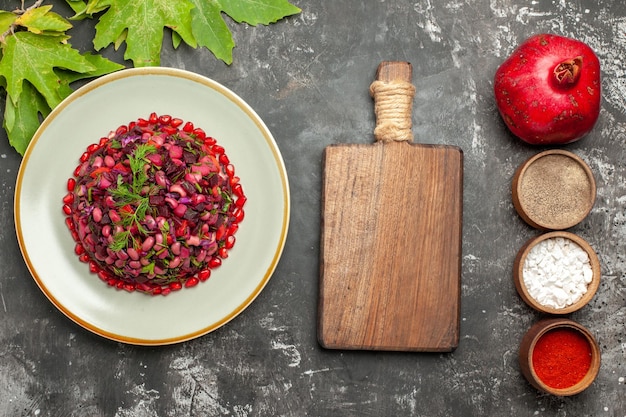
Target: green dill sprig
132, 205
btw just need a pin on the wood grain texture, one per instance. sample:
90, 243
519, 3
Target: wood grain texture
391, 247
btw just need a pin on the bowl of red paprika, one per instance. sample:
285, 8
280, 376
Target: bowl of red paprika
559, 356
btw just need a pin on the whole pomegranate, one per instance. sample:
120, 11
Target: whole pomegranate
548, 90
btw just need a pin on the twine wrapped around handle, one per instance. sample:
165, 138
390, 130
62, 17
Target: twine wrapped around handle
393, 101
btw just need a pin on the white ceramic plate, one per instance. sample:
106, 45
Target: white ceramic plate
91, 113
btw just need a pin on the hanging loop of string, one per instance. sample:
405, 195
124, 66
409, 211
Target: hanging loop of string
393, 102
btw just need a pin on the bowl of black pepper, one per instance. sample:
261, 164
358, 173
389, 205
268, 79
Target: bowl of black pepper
553, 190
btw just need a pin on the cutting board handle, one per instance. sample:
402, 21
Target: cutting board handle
393, 94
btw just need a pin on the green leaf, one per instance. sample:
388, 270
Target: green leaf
256, 12
26, 56
211, 30
140, 23
85, 10
78, 6
102, 66
23, 115
6, 20
42, 20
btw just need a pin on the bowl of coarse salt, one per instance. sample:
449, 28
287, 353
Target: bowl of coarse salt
557, 272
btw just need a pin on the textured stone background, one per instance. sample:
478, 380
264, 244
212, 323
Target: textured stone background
307, 77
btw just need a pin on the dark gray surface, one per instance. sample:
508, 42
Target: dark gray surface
308, 78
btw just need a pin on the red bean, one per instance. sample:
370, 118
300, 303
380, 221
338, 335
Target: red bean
114, 216
132, 253
175, 248
97, 215
174, 262
148, 243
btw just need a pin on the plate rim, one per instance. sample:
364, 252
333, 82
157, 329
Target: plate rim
272, 145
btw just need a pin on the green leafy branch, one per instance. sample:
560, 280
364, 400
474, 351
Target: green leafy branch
38, 65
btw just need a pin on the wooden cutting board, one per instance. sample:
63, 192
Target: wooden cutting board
390, 268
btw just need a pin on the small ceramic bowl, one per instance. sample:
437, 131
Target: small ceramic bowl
528, 349
523, 256
553, 190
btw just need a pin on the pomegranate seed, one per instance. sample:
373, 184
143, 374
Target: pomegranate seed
241, 201
121, 130
70, 224
69, 198
104, 275
67, 209
79, 249
176, 122
169, 130
188, 128
165, 291
132, 125
230, 242
94, 268
239, 214
223, 252
165, 119
210, 141
224, 159
204, 274
129, 287
238, 190
142, 122
199, 133
220, 232
93, 147
192, 282
233, 229
153, 118
84, 258
230, 170
84, 157
214, 262
71, 184
218, 149
175, 286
